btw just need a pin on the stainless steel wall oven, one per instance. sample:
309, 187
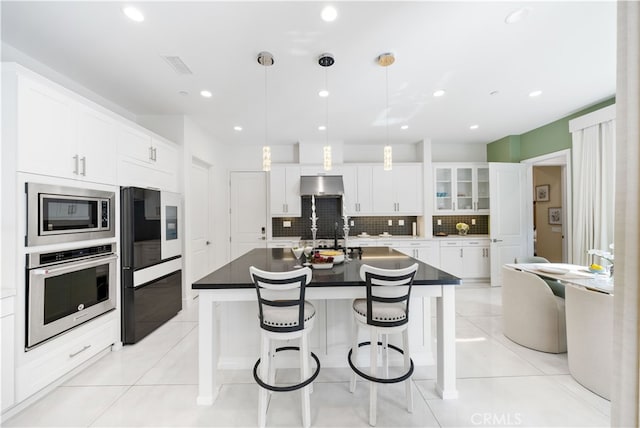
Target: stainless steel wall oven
67, 288
58, 214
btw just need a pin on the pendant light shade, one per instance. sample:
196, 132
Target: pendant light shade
266, 60
326, 60
385, 60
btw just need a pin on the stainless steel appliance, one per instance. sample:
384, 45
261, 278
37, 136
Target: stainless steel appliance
151, 271
67, 288
57, 214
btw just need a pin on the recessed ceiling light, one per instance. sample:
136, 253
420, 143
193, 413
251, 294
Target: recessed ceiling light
206, 94
404, 127
439, 93
323, 93
517, 15
329, 14
237, 128
472, 127
535, 93
133, 13
322, 128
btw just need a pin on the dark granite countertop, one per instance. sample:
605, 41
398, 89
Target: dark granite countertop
236, 273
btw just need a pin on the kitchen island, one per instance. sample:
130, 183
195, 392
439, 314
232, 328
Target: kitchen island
231, 283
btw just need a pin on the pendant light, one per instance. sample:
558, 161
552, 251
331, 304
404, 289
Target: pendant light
385, 60
265, 59
326, 60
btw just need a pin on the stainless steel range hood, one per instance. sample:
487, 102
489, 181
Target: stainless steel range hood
321, 185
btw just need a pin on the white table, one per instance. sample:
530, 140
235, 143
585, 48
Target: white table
231, 284
576, 274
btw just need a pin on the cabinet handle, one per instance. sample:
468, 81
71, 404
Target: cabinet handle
75, 168
83, 159
155, 154
461, 253
82, 350
150, 153
453, 204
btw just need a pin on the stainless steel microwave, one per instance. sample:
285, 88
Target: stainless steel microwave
57, 214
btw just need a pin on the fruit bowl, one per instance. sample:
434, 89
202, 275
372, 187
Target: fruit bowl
322, 265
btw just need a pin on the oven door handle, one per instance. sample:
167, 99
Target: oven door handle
73, 266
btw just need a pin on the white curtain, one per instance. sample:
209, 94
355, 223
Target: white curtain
593, 166
626, 376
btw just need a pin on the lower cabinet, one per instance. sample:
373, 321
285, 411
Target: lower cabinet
7, 325
466, 258
426, 251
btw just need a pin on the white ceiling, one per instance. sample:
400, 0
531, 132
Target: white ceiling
565, 49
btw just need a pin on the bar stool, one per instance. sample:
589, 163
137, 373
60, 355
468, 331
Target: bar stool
284, 315
385, 311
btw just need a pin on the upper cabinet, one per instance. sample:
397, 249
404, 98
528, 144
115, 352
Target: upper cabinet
461, 188
285, 191
358, 194
399, 191
61, 137
146, 160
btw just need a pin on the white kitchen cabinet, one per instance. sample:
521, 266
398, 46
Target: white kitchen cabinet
145, 160
62, 137
399, 191
284, 188
466, 258
461, 188
7, 331
426, 251
358, 190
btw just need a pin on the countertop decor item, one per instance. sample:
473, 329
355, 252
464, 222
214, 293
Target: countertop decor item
462, 228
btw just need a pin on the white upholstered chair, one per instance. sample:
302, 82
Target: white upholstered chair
590, 338
284, 315
532, 315
385, 311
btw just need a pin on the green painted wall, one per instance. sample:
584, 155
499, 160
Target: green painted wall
549, 138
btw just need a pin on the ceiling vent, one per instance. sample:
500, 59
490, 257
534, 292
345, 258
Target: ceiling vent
177, 64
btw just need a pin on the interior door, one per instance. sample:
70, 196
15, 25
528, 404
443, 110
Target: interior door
248, 212
511, 220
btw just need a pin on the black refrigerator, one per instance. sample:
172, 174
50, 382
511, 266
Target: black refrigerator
151, 261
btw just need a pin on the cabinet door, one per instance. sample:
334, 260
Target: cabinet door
474, 262
451, 260
96, 146
350, 181
365, 190
482, 189
407, 184
384, 198
444, 189
292, 191
134, 144
165, 158
464, 187
285, 191
46, 131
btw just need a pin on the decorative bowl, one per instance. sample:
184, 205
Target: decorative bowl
322, 265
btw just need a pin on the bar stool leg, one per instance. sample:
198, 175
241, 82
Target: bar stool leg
304, 374
272, 364
373, 386
264, 371
407, 366
385, 354
354, 355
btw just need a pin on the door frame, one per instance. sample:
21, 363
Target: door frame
562, 159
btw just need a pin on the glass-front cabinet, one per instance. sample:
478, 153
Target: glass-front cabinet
461, 188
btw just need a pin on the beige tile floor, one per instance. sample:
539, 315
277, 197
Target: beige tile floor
154, 384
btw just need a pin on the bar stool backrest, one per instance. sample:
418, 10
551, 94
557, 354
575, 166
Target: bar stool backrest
388, 286
281, 290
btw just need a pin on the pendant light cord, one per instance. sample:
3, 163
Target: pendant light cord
266, 126
386, 70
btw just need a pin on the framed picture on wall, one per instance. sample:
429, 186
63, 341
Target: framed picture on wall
555, 215
542, 193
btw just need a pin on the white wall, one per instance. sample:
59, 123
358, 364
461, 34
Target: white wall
458, 152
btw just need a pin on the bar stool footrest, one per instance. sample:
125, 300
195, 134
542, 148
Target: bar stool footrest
289, 388
368, 377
